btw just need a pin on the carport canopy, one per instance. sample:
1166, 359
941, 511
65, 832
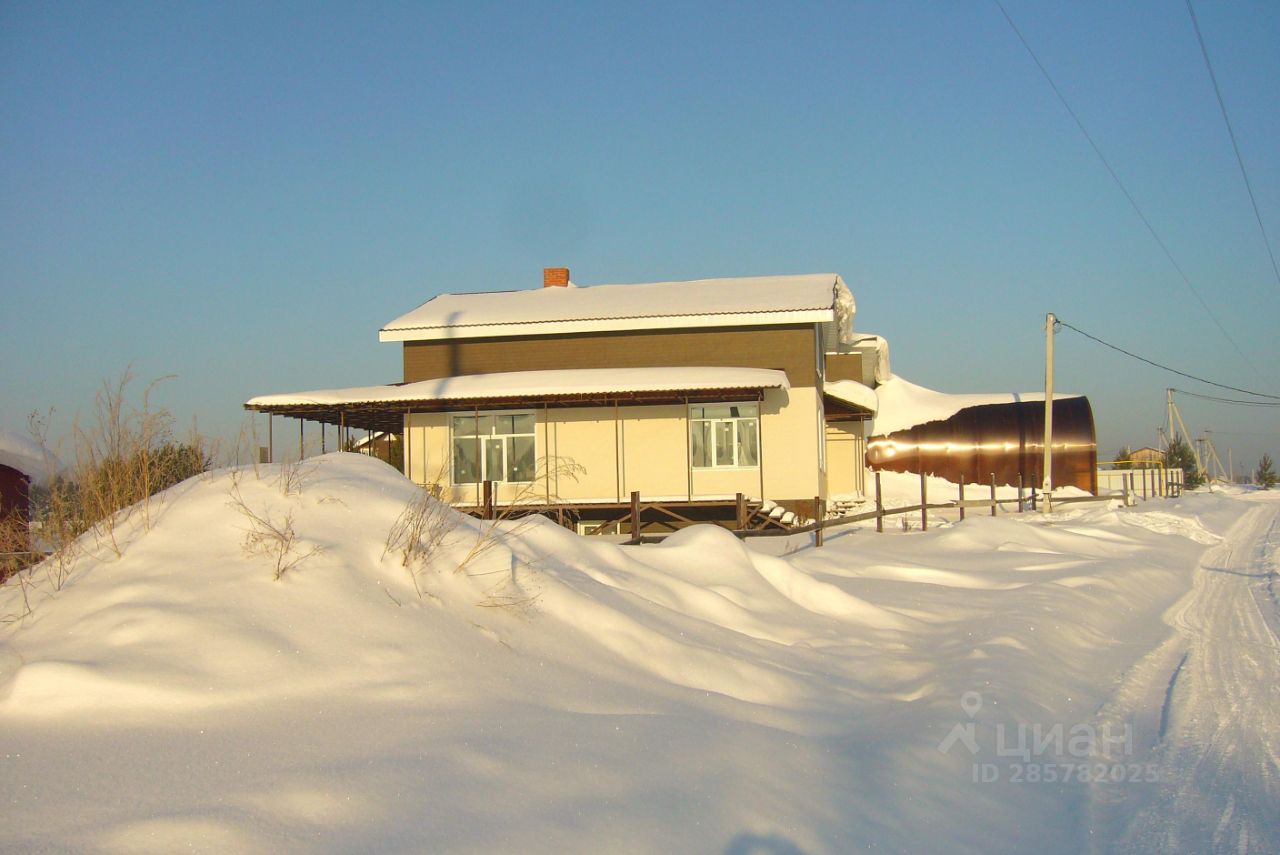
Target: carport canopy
383, 408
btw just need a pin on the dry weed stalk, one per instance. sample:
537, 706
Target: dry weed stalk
15, 555
419, 532
269, 536
293, 474
493, 532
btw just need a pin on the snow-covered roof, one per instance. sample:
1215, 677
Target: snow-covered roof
875, 348
816, 297
534, 384
852, 392
904, 404
24, 454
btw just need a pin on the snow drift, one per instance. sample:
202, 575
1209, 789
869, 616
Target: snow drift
532, 690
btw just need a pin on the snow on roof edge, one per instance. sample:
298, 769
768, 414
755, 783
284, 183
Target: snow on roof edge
904, 404
879, 346
673, 315
629, 324
515, 384
741, 298
852, 392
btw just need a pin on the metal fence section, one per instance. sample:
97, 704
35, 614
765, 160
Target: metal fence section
1149, 482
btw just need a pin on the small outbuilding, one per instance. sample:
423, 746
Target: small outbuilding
1147, 458
22, 463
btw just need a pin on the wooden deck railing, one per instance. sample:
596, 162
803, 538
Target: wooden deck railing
752, 520
880, 512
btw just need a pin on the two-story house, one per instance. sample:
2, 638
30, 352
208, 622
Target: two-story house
686, 392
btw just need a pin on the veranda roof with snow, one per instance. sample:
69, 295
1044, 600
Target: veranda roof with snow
852, 393
751, 301
383, 407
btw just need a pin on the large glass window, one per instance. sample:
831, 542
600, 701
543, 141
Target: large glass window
493, 447
725, 435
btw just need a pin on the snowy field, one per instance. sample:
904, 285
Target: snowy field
1103, 680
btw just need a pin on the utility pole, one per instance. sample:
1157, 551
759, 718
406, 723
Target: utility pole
1212, 454
1193, 443
1049, 321
1173, 431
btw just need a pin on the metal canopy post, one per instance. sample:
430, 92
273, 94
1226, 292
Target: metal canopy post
688, 445
407, 448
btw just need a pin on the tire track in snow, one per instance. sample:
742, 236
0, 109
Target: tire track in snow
1168, 698
1216, 753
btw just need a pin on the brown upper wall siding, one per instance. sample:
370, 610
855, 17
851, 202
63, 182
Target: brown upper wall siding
789, 348
844, 366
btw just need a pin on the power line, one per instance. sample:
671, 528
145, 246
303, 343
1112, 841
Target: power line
1242, 433
1123, 189
1204, 51
1060, 322
1228, 400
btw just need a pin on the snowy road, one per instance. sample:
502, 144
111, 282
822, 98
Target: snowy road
1205, 709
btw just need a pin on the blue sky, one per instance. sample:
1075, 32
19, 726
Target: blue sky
241, 194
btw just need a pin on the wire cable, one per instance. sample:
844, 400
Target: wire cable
1244, 173
1123, 189
1059, 322
1228, 400
1242, 433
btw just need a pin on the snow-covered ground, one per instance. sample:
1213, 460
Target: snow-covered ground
547, 693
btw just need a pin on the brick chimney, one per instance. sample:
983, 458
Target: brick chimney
555, 277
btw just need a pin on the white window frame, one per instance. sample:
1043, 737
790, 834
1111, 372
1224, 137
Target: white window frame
483, 460
734, 420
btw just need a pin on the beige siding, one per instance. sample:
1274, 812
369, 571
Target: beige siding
789, 436
427, 448
655, 446
638, 448
846, 458
582, 453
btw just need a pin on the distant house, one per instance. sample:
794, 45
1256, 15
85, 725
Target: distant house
688, 393
1147, 458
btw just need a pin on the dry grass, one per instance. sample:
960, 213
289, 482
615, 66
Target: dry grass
419, 533
271, 536
119, 460
112, 468
492, 532
15, 557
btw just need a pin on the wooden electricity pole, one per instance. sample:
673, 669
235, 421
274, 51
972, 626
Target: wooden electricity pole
1049, 321
1194, 444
